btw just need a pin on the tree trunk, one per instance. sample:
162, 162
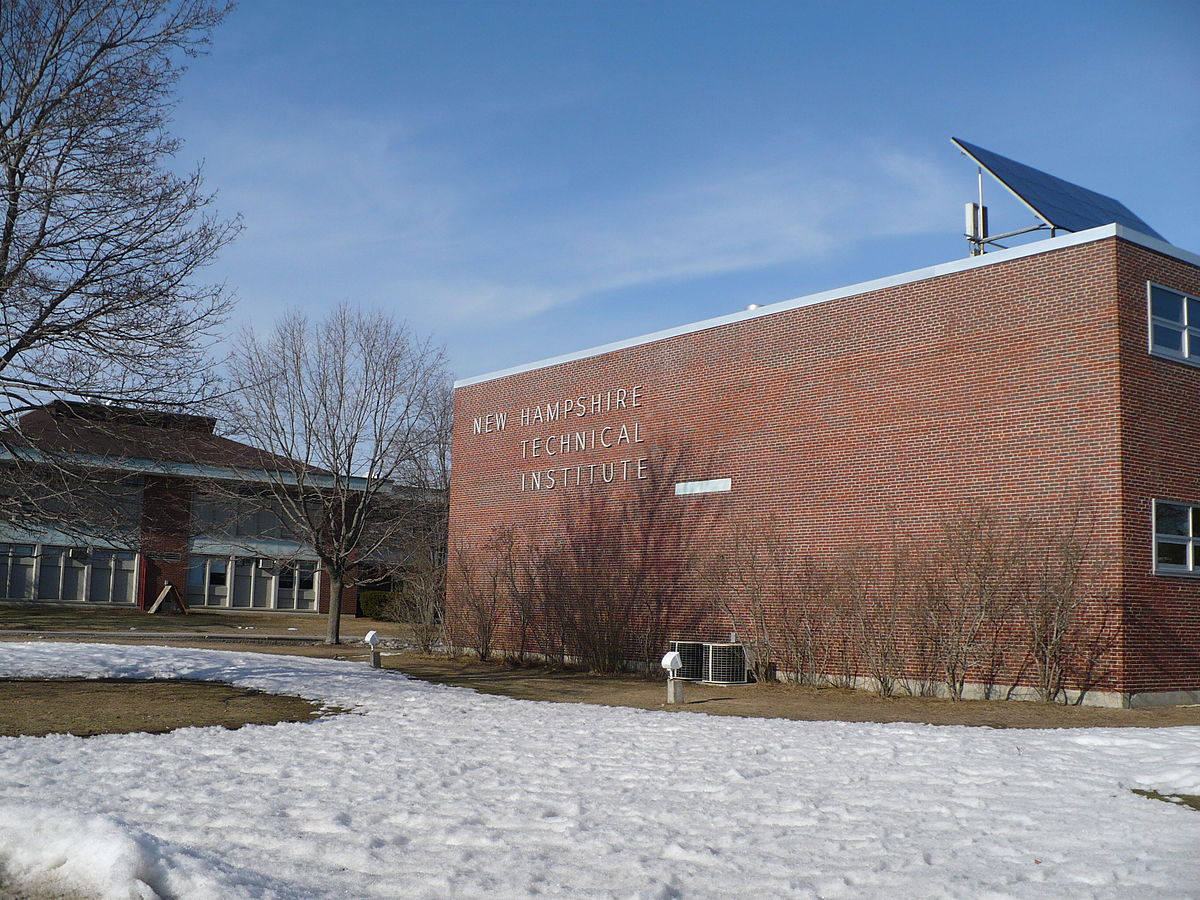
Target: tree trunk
335, 610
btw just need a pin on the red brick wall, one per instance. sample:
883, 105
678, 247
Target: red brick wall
349, 597
860, 421
166, 520
1159, 436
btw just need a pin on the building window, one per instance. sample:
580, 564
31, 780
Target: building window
67, 574
247, 517
1176, 538
1174, 325
246, 582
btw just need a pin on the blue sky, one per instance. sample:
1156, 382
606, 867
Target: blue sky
524, 179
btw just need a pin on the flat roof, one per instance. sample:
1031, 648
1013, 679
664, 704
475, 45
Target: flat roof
960, 265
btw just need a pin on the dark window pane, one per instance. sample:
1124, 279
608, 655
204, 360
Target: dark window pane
73, 582
50, 572
1171, 518
195, 575
1171, 554
1193, 311
1193, 344
1167, 338
1166, 304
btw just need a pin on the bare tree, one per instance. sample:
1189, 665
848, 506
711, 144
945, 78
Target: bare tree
352, 411
100, 242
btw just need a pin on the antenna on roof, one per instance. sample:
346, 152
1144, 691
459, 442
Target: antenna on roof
1058, 204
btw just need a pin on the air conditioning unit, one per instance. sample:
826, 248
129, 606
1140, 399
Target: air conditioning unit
725, 664
263, 563
691, 654
712, 663
78, 553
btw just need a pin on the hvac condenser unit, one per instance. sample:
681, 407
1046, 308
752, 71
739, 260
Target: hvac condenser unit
691, 654
711, 663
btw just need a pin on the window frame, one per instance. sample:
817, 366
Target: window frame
90, 568
1187, 328
259, 578
1191, 541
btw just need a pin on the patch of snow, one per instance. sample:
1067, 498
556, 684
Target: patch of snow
59, 853
432, 791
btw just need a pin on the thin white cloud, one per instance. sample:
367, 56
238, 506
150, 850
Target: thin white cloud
342, 207
702, 225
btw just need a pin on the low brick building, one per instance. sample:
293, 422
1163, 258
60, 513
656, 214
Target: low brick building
1049, 389
164, 500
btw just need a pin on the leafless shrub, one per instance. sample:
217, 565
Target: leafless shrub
805, 621
876, 606
605, 590
483, 582
1069, 619
968, 585
744, 583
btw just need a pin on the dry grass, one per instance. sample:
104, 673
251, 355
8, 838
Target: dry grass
86, 707
236, 630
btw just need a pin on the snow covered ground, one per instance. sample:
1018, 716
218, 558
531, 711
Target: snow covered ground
438, 792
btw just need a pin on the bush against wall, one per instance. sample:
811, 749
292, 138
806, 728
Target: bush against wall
603, 590
982, 606
997, 606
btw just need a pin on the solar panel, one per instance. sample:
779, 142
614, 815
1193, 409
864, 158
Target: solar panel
1059, 203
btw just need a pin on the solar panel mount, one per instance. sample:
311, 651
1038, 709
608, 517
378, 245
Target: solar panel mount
1059, 204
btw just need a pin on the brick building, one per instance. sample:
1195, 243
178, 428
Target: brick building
1054, 383
163, 500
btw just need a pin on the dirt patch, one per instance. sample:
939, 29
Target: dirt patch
773, 700
86, 707
1191, 801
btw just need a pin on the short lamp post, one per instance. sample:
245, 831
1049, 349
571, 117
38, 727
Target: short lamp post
372, 640
673, 663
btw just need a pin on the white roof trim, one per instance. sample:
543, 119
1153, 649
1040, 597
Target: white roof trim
950, 268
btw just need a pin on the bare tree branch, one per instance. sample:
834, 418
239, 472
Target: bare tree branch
100, 242
354, 412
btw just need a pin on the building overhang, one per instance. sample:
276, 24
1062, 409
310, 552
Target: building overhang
182, 469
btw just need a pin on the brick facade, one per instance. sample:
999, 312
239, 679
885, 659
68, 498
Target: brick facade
1019, 385
166, 527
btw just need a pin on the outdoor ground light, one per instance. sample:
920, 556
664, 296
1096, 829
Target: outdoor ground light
673, 662
372, 641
